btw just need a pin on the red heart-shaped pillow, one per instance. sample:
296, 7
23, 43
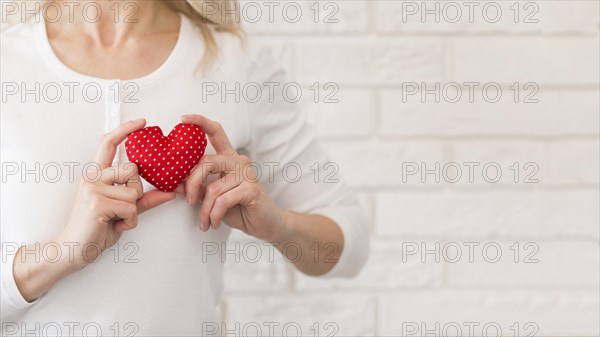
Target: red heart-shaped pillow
166, 161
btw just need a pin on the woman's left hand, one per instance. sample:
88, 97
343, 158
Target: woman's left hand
237, 198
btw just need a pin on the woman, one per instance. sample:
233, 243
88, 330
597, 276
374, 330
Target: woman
63, 202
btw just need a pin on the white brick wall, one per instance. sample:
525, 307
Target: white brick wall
548, 282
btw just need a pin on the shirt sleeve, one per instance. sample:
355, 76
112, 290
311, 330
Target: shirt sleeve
11, 299
296, 171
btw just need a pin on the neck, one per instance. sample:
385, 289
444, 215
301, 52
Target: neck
110, 23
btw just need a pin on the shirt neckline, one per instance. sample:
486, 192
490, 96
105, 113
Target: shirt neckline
174, 58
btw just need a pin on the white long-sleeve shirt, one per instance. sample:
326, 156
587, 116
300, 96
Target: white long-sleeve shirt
159, 280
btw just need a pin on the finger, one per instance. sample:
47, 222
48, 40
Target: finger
216, 135
123, 193
209, 164
135, 182
228, 200
125, 212
110, 141
199, 194
152, 199
213, 191
148, 201
123, 173
120, 226
180, 189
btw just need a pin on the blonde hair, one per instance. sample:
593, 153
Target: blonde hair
210, 16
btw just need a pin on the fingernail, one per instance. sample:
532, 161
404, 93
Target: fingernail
189, 199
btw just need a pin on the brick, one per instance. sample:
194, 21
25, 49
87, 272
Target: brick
558, 112
484, 213
385, 270
369, 62
563, 163
351, 314
555, 313
536, 59
553, 17
575, 263
380, 164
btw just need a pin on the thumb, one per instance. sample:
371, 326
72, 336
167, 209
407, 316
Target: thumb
148, 201
153, 199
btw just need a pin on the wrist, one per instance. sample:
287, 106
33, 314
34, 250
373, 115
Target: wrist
283, 230
37, 267
70, 258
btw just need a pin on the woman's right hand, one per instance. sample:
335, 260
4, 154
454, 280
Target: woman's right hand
108, 202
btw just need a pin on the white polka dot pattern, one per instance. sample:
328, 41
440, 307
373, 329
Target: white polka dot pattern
163, 161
